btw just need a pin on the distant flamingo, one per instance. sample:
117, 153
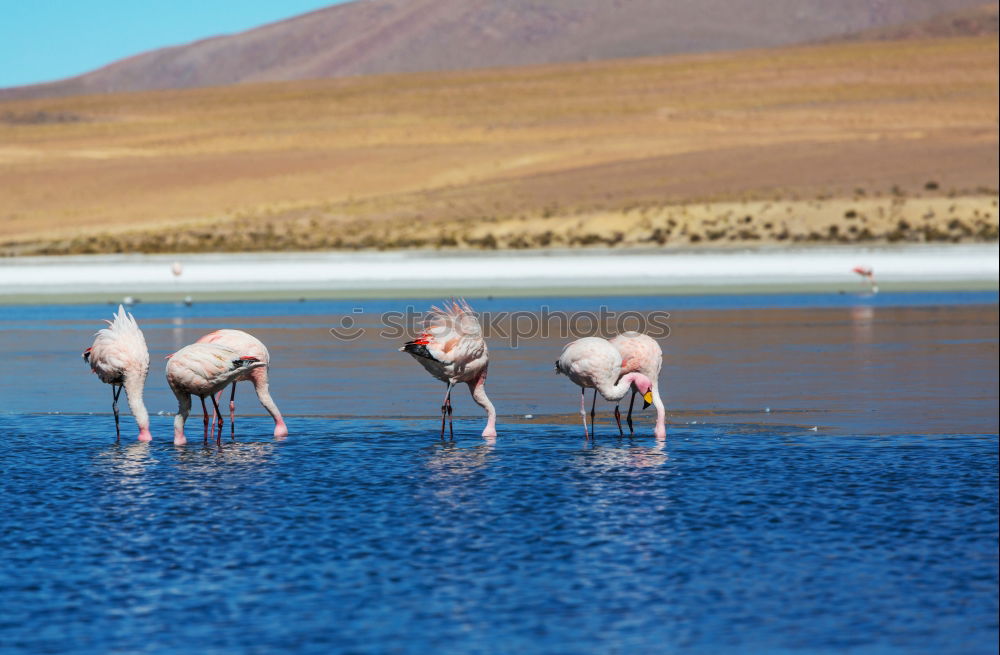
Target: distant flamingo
452, 349
642, 354
120, 358
593, 363
868, 273
203, 369
248, 345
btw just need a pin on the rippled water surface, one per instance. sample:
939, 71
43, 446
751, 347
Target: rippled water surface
828, 484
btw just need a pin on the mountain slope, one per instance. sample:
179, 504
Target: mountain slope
388, 36
680, 150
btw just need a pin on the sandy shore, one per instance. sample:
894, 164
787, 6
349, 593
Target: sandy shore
412, 274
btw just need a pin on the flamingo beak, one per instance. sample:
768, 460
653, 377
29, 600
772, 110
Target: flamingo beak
647, 399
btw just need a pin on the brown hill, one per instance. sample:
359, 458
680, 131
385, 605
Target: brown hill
871, 141
390, 36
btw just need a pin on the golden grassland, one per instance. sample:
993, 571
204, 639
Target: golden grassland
888, 141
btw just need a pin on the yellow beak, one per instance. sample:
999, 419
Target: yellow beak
647, 399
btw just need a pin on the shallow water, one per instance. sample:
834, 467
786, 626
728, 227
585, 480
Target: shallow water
859, 514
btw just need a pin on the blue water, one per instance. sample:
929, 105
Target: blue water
366, 536
829, 484
298, 308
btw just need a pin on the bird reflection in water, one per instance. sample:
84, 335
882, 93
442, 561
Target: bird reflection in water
126, 470
605, 458
648, 457
129, 461
177, 332
862, 323
448, 460
214, 453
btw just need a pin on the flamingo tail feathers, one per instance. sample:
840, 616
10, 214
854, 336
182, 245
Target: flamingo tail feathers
417, 347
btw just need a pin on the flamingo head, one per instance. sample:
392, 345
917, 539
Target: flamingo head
645, 387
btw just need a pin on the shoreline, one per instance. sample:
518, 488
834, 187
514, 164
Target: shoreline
861, 221
401, 274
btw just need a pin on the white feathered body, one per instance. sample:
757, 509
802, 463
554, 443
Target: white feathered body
119, 350
453, 350
119, 356
451, 347
640, 354
248, 345
592, 363
242, 342
202, 369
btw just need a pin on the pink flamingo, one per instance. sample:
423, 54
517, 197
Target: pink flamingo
868, 273
593, 363
248, 345
452, 349
642, 354
120, 358
203, 369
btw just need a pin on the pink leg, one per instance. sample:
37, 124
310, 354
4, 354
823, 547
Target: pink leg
593, 413
215, 416
232, 412
446, 410
583, 411
204, 415
451, 425
116, 391
218, 438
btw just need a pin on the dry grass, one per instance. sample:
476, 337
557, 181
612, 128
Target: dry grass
484, 158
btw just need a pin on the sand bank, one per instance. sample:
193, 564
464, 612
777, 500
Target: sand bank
414, 274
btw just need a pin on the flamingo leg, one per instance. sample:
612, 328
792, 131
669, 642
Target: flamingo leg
215, 416
628, 419
444, 409
232, 412
116, 391
618, 420
583, 411
204, 416
593, 412
451, 426
218, 438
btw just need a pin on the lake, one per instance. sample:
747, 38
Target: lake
829, 483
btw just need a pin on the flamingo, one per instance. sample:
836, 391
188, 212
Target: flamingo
203, 369
248, 345
868, 273
641, 353
452, 349
592, 362
120, 358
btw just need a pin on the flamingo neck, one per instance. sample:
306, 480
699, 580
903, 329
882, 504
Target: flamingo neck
179, 437
478, 389
617, 391
660, 430
261, 387
183, 409
133, 392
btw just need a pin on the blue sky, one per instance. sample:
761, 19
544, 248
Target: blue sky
44, 40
